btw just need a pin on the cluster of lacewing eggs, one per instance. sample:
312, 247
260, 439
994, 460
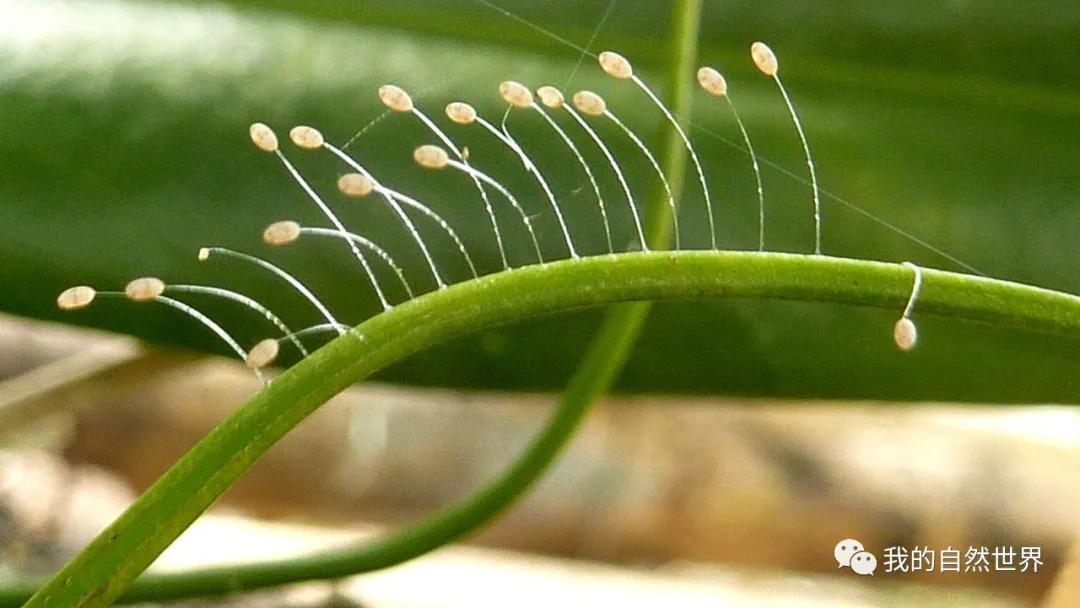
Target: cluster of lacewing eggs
355, 184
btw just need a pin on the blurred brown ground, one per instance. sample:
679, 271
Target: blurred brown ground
648, 483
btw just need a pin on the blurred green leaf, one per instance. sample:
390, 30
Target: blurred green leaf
124, 150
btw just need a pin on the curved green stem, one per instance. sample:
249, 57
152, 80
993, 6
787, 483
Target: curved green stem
119, 554
603, 360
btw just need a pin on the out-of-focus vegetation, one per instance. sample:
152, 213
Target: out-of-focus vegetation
124, 150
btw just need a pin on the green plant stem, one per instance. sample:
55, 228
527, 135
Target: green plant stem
600, 366
105, 568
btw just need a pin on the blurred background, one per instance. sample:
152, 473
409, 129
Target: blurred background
745, 438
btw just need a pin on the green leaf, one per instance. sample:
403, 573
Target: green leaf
125, 150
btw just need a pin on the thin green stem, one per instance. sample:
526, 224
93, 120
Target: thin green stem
106, 568
672, 152
603, 361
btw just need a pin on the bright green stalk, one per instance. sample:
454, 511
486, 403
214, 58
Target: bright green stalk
600, 366
107, 567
